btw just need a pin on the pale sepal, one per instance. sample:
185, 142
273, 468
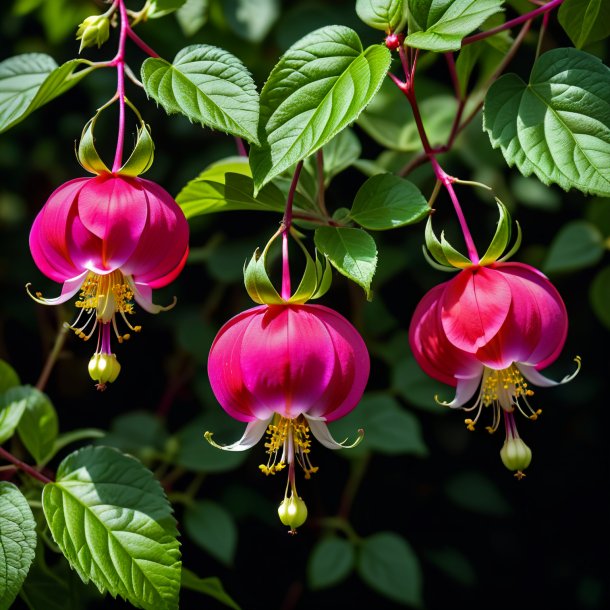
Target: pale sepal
538, 379
464, 391
320, 430
253, 433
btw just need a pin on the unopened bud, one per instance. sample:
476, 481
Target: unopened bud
94, 30
292, 512
104, 368
516, 455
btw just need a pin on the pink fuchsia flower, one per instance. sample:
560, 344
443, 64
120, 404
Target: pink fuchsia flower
114, 238
493, 329
288, 369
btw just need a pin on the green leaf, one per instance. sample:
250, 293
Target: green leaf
386, 201
227, 186
585, 21
454, 564
417, 388
31, 80
558, 125
388, 565
12, 406
320, 86
440, 25
207, 85
38, 426
208, 586
251, 19
139, 433
578, 244
341, 152
475, 492
388, 428
112, 521
8, 376
17, 542
386, 15
330, 562
351, 251
211, 527
192, 16
160, 8
599, 295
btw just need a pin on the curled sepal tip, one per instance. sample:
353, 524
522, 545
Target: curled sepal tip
94, 30
87, 154
501, 238
142, 155
292, 512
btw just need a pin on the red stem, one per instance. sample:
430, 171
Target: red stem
140, 42
9, 457
119, 63
287, 221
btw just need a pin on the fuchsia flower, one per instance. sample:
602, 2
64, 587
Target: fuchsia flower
493, 327
287, 368
114, 238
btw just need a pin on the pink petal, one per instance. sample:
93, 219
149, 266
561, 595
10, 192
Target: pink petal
114, 209
474, 307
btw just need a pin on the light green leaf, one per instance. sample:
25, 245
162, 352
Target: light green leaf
351, 251
388, 564
160, 8
386, 15
12, 405
112, 521
227, 186
38, 426
440, 25
8, 376
192, 16
320, 86
207, 85
475, 492
211, 527
599, 295
209, 586
31, 80
17, 542
557, 126
387, 201
579, 244
330, 562
585, 21
251, 20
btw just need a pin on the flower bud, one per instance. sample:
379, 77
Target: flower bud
516, 455
94, 30
104, 368
292, 512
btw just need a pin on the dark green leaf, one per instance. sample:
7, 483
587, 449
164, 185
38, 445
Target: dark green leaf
212, 528
386, 201
207, 85
31, 80
139, 433
351, 251
208, 586
8, 376
475, 492
112, 521
440, 25
388, 564
330, 562
38, 426
557, 126
585, 21
320, 86
578, 245
17, 542
600, 296
455, 565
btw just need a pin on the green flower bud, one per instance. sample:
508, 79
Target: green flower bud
292, 512
516, 455
94, 30
104, 368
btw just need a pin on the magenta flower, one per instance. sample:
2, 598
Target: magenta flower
288, 369
492, 328
114, 238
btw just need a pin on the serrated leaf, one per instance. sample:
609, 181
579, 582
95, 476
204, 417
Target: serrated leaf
8, 376
227, 186
160, 8
440, 25
599, 295
320, 86
112, 521
388, 564
212, 528
208, 586
579, 244
17, 542
12, 405
557, 126
585, 21
386, 15
352, 252
387, 201
31, 80
38, 426
330, 562
207, 85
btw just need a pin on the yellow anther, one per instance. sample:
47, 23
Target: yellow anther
469, 424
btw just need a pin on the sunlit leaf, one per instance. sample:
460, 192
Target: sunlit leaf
386, 15
38, 426
8, 376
